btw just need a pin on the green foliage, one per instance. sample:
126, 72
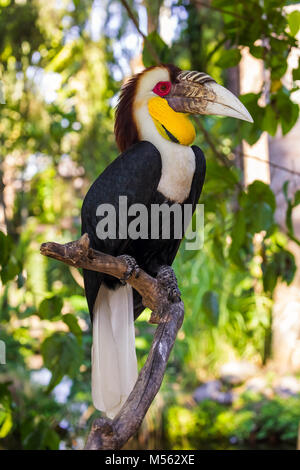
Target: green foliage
255, 419
278, 265
50, 308
229, 58
10, 270
291, 204
159, 46
72, 322
294, 22
296, 73
10, 265
210, 305
6, 421
5, 248
62, 356
37, 435
287, 111
252, 132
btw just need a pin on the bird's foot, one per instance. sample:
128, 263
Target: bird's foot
132, 268
167, 280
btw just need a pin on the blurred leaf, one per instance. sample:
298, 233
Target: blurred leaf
10, 270
258, 191
5, 248
285, 188
229, 58
210, 305
73, 325
288, 218
27, 312
160, 48
261, 217
78, 302
275, 85
288, 111
282, 265
289, 211
294, 22
221, 178
62, 356
6, 419
269, 278
63, 58
286, 265
218, 250
278, 67
270, 121
50, 308
238, 234
296, 198
296, 73
257, 51
252, 131
38, 435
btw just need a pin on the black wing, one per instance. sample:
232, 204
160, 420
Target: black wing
135, 174
166, 250
199, 176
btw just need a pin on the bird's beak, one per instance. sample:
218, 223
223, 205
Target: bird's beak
198, 93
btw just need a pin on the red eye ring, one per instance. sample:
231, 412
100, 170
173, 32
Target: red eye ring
162, 88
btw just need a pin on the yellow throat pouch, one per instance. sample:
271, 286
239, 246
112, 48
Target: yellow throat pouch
171, 125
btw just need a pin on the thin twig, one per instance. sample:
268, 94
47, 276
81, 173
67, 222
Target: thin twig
225, 12
210, 142
226, 162
215, 49
148, 44
275, 165
218, 154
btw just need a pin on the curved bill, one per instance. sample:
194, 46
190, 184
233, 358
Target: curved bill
198, 93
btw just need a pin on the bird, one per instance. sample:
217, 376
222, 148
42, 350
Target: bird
157, 165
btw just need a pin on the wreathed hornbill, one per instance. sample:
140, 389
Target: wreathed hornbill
157, 165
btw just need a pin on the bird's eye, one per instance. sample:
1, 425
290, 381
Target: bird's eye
162, 88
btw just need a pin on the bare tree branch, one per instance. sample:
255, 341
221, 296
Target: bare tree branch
210, 142
113, 434
148, 44
221, 10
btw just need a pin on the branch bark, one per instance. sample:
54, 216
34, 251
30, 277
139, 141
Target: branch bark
113, 434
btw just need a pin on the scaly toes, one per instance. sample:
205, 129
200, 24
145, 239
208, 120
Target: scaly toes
167, 279
132, 268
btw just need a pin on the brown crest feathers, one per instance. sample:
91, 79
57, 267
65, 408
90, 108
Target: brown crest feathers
125, 128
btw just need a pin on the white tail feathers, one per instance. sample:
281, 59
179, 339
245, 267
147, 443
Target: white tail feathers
114, 363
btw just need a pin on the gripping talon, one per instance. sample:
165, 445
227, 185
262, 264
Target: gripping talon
167, 279
132, 268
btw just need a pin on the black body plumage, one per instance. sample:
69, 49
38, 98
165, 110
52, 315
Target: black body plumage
135, 174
